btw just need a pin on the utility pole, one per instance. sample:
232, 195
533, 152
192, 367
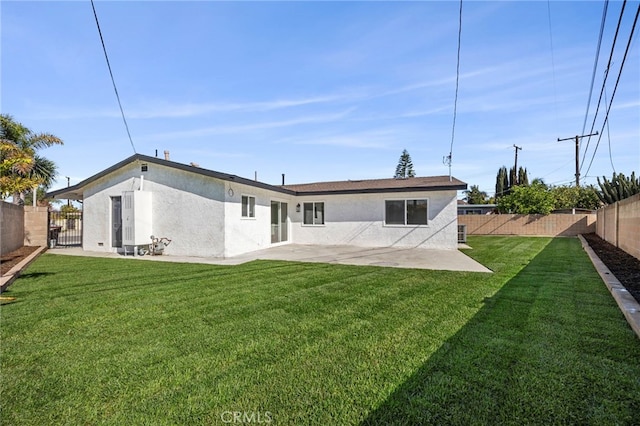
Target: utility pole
515, 167
68, 184
577, 138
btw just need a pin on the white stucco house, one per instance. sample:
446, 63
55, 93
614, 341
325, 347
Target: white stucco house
213, 214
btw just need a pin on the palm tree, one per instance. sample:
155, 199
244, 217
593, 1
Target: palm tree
22, 168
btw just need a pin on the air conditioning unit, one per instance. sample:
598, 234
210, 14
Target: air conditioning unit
136, 218
462, 234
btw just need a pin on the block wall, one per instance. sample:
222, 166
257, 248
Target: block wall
540, 225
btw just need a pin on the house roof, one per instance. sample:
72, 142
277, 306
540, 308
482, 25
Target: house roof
434, 183
430, 183
75, 192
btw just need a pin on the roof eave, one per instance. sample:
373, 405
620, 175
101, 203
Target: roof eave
76, 192
384, 190
71, 193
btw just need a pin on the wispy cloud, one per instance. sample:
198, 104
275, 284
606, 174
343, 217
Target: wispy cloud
165, 109
249, 127
162, 108
375, 138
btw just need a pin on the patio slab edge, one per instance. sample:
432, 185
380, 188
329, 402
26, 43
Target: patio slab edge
626, 302
7, 279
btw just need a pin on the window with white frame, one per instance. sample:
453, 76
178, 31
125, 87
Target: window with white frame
248, 206
313, 213
406, 212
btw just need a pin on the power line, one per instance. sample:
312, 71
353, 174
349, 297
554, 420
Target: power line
553, 64
609, 136
555, 170
447, 160
624, 58
595, 64
613, 45
104, 49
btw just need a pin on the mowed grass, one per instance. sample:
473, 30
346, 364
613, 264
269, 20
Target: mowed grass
122, 341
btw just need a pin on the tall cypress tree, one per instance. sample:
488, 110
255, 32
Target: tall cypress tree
523, 177
502, 182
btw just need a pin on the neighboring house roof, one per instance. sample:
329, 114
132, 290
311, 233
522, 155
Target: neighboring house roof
435, 183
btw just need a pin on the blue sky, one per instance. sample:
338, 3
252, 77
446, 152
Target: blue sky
323, 90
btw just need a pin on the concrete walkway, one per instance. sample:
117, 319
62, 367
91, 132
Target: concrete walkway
449, 260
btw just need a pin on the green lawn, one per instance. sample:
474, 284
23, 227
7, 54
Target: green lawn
122, 341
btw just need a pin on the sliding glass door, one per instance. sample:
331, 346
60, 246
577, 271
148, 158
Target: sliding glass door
278, 222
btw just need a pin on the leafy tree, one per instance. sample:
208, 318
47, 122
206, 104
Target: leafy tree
21, 168
573, 197
474, 196
533, 199
538, 198
618, 188
404, 169
69, 211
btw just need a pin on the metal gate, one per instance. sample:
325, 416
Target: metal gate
64, 229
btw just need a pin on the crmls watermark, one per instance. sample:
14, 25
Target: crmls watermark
259, 417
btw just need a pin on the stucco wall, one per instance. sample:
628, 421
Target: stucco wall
359, 220
202, 215
11, 227
187, 208
243, 235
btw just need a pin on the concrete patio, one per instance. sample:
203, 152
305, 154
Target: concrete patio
449, 260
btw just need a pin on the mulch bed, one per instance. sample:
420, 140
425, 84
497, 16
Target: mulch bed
625, 267
9, 260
